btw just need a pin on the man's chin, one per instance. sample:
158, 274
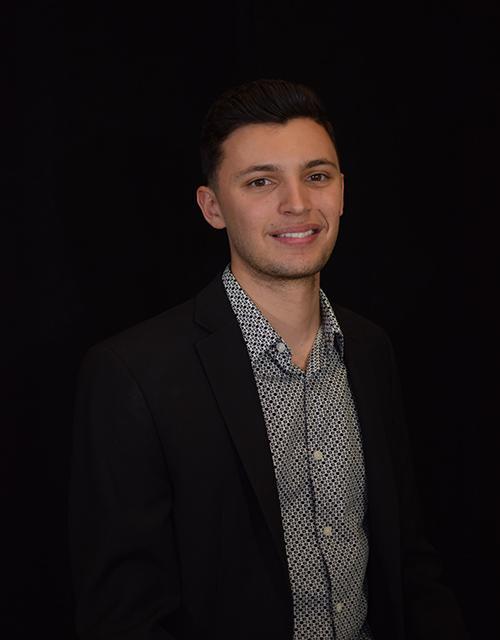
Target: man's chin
262, 267
293, 271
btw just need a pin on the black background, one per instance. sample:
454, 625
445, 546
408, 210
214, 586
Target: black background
109, 101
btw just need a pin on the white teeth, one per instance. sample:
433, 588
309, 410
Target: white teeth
303, 234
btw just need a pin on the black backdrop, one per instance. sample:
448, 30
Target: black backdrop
110, 99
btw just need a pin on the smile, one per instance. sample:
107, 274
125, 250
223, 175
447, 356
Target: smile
298, 237
302, 234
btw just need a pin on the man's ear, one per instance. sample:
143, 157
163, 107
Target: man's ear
209, 205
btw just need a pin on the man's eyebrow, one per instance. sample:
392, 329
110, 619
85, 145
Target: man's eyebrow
276, 168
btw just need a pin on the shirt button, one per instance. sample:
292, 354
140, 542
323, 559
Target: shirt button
318, 455
327, 531
281, 346
339, 606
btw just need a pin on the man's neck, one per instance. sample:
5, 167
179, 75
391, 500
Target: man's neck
292, 307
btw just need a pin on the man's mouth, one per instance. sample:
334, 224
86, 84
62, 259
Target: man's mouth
303, 237
297, 234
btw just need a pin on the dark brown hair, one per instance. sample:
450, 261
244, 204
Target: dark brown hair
265, 100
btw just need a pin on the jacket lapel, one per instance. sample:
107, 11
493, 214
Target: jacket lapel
226, 362
370, 394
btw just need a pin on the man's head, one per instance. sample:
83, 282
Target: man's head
269, 158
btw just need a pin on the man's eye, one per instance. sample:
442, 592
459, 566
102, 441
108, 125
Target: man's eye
257, 180
324, 175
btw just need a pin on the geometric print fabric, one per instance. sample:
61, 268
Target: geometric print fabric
317, 452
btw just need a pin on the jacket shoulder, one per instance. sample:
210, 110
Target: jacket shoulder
166, 336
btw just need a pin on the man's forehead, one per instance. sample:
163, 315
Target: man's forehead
300, 143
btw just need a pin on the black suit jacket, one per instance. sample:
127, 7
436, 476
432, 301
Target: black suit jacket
174, 519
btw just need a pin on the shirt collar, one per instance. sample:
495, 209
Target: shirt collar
260, 336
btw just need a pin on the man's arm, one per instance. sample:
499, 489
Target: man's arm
122, 546
431, 610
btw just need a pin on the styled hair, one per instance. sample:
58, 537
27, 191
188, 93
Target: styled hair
261, 101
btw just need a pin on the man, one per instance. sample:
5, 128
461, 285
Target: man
241, 465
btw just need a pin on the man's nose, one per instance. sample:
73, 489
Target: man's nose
294, 197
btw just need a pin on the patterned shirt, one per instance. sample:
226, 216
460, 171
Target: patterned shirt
317, 453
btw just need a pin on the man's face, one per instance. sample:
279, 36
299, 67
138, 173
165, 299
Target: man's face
302, 190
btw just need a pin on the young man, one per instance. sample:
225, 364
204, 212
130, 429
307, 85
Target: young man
241, 466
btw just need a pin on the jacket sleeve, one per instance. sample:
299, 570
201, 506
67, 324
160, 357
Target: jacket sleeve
430, 609
122, 547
